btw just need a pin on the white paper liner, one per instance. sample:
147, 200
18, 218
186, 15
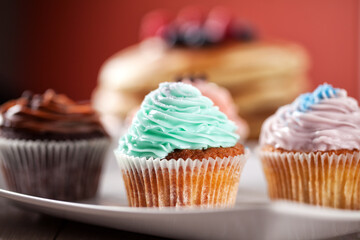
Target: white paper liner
64, 170
316, 178
156, 182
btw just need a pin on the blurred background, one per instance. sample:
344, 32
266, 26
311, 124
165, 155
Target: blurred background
62, 44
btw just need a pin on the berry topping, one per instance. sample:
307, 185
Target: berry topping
194, 35
191, 28
217, 24
153, 23
171, 35
242, 31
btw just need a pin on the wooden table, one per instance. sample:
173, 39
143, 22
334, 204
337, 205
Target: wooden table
16, 223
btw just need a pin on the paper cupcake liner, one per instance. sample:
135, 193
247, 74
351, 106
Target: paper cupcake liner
156, 182
63, 170
316, 178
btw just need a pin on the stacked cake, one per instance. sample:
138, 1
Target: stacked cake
260, 74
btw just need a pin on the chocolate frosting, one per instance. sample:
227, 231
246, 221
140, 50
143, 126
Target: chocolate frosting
49, 113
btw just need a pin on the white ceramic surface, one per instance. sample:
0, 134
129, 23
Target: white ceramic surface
253, 217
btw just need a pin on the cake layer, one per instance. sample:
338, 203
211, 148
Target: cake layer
145, 65
260, 75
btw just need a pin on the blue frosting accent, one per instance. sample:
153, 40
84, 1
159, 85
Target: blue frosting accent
306, 100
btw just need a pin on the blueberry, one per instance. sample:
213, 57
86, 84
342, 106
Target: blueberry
172, 36
194, 36
243, 32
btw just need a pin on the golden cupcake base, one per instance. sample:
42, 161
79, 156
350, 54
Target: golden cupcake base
329, 179
181, 183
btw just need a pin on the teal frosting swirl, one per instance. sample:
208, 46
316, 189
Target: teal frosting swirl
176, 116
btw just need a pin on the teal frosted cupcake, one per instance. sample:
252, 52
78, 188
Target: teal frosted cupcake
180, 151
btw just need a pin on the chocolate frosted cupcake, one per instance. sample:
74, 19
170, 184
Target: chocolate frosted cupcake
180, 151
310, 150
51, 146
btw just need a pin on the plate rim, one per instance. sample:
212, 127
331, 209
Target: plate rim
277, 207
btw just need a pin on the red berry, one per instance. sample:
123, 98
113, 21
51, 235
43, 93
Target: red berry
191, 14
153, 22
222, 14
172, 36
221, 17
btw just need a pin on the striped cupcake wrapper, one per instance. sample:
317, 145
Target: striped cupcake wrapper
156, 182
63, 170
316, 178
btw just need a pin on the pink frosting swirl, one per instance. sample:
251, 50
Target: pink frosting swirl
221, 97
330, 124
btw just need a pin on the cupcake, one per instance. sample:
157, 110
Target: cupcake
310, 150
221, 98
51, 146
180, 151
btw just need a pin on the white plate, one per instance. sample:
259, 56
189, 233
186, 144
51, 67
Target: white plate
253, 217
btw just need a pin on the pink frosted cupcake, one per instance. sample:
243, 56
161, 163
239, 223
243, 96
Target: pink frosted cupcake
221, 98
310, 150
